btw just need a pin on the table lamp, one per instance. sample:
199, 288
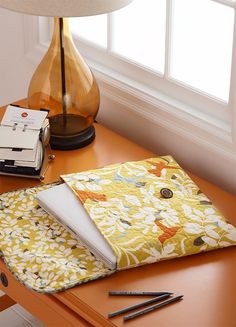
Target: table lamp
63, 83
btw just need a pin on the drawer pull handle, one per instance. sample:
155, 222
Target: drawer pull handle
4, 280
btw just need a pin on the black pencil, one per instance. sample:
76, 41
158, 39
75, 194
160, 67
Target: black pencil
152, 307
152, 293
138, 305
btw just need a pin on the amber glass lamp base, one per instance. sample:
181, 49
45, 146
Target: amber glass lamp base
64, 84
61, 141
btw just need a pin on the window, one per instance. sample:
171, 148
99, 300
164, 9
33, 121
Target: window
202, 38
178, 48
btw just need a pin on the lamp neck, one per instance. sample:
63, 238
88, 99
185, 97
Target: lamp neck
63, 74
66, 30
60, 34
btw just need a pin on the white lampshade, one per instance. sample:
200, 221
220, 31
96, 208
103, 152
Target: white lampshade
64, 8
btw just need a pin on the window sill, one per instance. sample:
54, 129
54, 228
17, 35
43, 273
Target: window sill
165, 111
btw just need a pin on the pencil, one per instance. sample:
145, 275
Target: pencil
153, 293
152, 307
138, 305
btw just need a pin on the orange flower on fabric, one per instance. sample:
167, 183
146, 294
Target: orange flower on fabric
84, 195
168, 231
158, 167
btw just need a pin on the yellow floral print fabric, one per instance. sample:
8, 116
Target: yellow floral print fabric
141, 225
38, 250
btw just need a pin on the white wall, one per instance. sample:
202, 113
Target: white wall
196, 151
15, 69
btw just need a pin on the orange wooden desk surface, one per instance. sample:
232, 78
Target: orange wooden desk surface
208, 281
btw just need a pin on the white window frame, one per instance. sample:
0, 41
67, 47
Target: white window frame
197, 116
193, 98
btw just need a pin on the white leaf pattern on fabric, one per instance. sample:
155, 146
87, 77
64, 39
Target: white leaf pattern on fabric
231, 235
210, 241
211, 232
133, 200
192, 228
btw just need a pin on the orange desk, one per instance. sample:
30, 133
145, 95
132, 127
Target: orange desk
208, 281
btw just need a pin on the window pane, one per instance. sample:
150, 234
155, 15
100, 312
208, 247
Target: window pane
202, 37
93, 28
139, 33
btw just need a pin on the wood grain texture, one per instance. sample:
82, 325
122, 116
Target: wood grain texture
6, 302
